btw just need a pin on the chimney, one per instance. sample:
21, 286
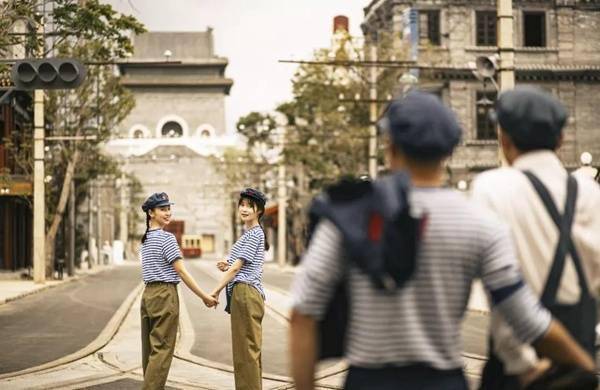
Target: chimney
340, 22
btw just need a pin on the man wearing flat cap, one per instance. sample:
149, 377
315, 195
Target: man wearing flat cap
536, 195
409, 337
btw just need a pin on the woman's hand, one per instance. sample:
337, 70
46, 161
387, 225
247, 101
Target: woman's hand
222, 266
210, 301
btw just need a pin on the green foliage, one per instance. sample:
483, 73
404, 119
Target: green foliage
329, 137
92, 32
16, 17
97, 35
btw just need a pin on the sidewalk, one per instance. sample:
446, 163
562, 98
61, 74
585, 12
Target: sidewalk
13, 289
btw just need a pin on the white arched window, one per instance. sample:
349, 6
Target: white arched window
172, 126
205, 131
139, 131
171, 129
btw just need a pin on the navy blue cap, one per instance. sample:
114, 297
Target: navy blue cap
531, 117
422, 126
255, 194
158, 199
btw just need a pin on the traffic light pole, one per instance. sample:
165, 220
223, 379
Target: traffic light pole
39, 228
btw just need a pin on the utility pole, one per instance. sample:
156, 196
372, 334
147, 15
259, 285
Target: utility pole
39, 205
90, 226
98, 226
506, 54
123, 232
373, 114
281, 203
71, 265
506, 45
39, 196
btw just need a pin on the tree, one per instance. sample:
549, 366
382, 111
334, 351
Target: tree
98, 35
327, 124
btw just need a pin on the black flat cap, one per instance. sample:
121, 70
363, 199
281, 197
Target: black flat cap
422, 126
255, 194
158, 199
531, 117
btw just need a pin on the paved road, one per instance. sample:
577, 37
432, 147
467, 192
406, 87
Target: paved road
273, 276
213, 332
59, 321
121, 384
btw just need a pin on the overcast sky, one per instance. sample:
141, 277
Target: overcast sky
253, 35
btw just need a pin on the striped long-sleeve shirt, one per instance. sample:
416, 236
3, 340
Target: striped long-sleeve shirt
421, 322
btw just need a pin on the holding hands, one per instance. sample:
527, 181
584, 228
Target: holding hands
210, 300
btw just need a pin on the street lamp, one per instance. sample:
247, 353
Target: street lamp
586, 159
407, 81
586, 168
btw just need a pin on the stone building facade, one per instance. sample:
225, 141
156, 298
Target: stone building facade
174, 137
556, 48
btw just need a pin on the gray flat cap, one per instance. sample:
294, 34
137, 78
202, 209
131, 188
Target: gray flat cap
422, 126
531, 117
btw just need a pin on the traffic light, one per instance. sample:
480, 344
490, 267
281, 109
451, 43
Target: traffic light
48, 73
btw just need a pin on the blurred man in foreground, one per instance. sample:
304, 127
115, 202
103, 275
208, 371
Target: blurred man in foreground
410, 337
555, 223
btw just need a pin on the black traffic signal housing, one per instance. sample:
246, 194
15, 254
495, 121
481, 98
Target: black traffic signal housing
47, 73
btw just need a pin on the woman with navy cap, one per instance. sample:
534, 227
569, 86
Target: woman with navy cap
162, 270
245, 295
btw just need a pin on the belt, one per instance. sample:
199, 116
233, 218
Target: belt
157, 283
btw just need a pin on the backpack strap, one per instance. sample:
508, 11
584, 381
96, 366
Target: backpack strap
565, 244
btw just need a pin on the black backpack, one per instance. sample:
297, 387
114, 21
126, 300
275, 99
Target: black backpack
380, 237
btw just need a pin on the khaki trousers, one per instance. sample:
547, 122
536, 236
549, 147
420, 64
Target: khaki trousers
160, 318
247, 311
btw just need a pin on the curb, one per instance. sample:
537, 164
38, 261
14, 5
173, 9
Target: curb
51, 284
98, 343
32, 292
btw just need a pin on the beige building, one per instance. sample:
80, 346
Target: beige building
557, 47
175, 136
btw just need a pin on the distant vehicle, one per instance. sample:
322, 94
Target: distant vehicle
190, 244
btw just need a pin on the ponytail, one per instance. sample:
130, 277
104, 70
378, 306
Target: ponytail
267, 246
147, 227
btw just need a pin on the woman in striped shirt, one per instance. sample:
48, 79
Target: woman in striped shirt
245, 294
162, 270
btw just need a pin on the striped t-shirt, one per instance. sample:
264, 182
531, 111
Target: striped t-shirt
158, 253
250, 247
421, 322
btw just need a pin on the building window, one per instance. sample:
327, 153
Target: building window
208, 243
138, 134
171, 129
486, 128
534, 29
486, 28
429, 27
